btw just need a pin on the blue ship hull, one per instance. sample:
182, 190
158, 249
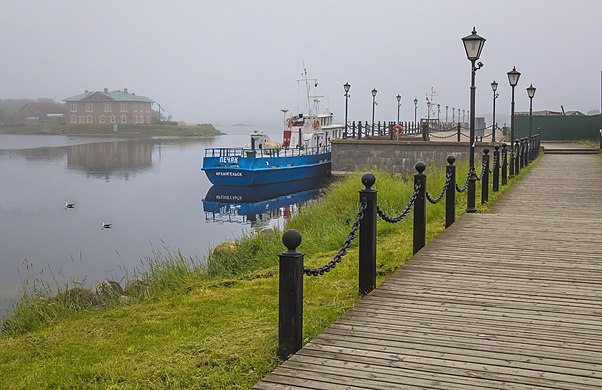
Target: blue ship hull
238, 167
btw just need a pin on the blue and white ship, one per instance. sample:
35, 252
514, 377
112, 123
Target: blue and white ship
304, 152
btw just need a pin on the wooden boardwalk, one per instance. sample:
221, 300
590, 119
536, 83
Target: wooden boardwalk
510, 299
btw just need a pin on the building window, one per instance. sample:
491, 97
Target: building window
88, 107
135, 107
73, 107
89, 119
73, 119
124, 107
124, 119
101, 119
113, 119
148, 119
107, 107
81, 119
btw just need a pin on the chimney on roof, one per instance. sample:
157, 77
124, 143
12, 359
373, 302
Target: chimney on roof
106, 90
125, 90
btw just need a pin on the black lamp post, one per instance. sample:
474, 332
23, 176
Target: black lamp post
495, 96
374, 91
531, 93
398, 106
347, 86
473, 44
464, 116
415, 109
513, 77
446, 108
438, 115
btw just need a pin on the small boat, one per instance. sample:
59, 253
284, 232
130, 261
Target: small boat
304, 152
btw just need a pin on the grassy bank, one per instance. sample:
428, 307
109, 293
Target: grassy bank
56, 127
214, 326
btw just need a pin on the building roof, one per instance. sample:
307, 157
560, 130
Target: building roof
118, 96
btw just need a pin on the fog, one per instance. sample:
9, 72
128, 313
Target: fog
226, 62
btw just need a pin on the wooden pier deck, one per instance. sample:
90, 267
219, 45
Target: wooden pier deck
509, 299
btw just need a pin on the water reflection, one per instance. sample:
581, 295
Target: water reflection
258, 206
104, 159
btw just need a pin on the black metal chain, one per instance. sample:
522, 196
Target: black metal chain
343, 251
465, 186
443, 136
483, 169
405, 212
443, 191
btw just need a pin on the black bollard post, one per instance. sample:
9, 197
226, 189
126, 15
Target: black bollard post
519, 156
391, 130
504, 164
420, 207
517, 159
459, 131
359, 130
485, 178
290, 296
496, 168
367, 240
353, 129
523, 142
450, 194
424, 134
522, 152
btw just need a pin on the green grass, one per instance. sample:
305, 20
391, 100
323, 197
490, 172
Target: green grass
210, 327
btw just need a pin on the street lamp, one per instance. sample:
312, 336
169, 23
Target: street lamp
531, 93
453, 114
464, 116
446, 108
473, 44
438, 115
495, 96
347, 86
415, 110
513, 77
398, 105
374, 91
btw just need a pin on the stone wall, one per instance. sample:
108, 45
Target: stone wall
350, 155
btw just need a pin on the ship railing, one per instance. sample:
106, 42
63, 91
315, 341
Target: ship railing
272, 152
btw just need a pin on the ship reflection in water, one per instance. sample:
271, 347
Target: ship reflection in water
259, 205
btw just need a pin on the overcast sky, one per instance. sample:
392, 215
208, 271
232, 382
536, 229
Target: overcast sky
226, 62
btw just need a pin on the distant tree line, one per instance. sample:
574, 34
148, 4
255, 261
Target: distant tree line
17, 110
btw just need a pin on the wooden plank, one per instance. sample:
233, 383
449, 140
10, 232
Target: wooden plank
507, 299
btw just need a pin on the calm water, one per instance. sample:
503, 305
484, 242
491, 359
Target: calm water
151, 190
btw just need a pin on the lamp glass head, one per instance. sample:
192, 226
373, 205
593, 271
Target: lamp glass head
531, 91
473, 44
513, 77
